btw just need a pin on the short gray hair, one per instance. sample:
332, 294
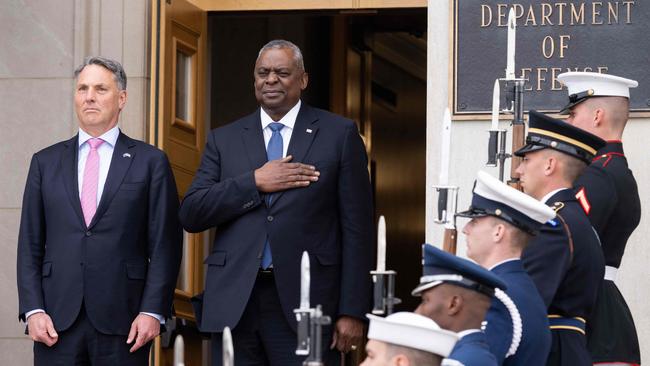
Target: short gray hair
281, 43
111, 65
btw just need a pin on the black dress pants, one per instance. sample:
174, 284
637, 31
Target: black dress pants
82, 344
263, 336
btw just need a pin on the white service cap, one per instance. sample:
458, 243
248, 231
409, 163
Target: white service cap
412, 330
582, 85
492, 197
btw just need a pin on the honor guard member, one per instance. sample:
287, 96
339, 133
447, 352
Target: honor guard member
565, 260
406, 339
608, 193
503, 220
456, 293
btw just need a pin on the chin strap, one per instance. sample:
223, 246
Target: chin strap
516, 320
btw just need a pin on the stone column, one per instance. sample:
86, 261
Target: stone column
41, 42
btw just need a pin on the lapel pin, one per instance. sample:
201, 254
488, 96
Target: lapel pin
309, 130
126, 155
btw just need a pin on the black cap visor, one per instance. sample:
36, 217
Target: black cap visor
529, 147
539, 142
472, 212
575, 99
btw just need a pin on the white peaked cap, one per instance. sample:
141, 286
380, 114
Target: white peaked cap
601, 84
412, 330
493, 189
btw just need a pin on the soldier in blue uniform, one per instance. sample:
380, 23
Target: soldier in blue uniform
565, 260
456, 294
503, 220
608, 193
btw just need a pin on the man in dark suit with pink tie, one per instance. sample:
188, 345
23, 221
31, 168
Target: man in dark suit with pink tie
99, 246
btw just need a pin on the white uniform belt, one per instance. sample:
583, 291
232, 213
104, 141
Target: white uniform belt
610, 273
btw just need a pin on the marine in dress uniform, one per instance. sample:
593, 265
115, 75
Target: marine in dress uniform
406, 338
565, 260
517, 327
464, 289
609, 195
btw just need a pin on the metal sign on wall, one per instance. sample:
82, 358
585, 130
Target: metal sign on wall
552, 37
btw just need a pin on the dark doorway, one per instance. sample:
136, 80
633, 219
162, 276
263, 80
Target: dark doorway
395, 91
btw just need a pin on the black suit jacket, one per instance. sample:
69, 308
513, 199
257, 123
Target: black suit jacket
331, 219
125, 262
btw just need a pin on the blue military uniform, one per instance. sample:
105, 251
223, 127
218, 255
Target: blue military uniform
565, 260
472, 349
608, 193
442, 267
535, 341
517, 327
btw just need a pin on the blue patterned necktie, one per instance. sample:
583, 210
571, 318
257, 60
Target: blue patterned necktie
273, 152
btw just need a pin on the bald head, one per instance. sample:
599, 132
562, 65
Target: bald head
454, 307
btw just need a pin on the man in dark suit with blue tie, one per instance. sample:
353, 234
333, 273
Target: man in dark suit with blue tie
285, 179
99, 246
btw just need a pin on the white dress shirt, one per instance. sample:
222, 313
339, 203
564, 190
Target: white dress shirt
289, 121
550, 194
105, 152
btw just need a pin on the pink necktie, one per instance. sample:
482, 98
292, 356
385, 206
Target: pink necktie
91, 177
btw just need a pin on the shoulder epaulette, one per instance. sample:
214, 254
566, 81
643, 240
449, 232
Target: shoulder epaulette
605, 158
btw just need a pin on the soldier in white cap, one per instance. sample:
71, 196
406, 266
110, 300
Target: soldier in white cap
608, 193
407, 339
503, 221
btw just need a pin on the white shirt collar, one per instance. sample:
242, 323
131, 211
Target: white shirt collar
289, 119
502, 262
465, 332
550, 194
109, 136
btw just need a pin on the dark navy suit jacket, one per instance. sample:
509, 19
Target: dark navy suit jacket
125, 262
331, 219
536, 337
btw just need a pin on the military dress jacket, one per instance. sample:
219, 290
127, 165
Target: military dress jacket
535, 341
565, 260
608, 193
471, 350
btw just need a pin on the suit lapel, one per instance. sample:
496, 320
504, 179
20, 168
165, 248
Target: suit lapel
123, 155
254, 140
69, 174
304, 132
